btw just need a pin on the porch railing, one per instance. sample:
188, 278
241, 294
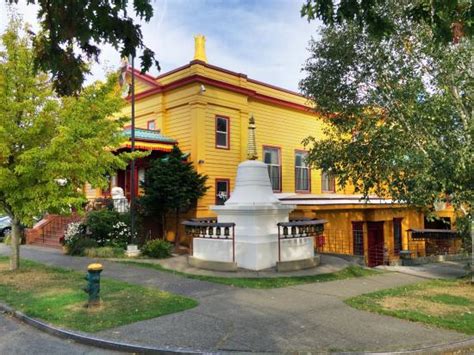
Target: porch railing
209, 228
302, 228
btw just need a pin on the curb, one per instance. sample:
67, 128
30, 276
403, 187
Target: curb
92, 341
132, 348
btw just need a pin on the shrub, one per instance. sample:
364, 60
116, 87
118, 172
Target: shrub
157, 249
119, 236
108, 228
104, 252
100, 224
77, 246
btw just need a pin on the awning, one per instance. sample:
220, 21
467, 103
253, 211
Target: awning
148, 146
433, 234
146, 139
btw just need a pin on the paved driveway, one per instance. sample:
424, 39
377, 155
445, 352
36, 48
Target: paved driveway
308, 317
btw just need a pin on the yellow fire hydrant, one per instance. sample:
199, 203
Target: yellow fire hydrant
93, 284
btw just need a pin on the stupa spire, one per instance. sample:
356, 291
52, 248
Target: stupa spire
251, 143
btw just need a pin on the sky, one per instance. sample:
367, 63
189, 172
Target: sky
265, 39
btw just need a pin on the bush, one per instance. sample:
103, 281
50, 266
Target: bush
109, 228
157, 249
104, 252
77, 246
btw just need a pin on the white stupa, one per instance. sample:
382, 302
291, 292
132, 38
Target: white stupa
256, 211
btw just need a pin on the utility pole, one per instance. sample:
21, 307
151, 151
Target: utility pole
132, 165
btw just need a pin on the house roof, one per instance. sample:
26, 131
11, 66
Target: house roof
331, 199
146, 139
148, 135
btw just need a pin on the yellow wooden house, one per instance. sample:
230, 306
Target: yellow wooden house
205, 110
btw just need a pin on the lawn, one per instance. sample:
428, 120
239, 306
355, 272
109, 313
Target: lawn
56, 296
268, 282
442, 303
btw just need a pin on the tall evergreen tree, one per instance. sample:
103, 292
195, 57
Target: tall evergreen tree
172, 185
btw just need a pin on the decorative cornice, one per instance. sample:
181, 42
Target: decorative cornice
197, 78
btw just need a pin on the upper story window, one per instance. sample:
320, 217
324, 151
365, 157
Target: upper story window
302, 177
222, 132
271, 157
328, 183
222, 191
151, 125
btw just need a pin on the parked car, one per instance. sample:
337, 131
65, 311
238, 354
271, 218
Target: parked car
5, 226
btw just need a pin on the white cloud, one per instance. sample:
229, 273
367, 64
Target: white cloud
266, 40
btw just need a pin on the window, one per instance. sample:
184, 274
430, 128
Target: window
397, 236
302, 172
271, 157
328, 182
222, 132
358, 238
151, 125
222, 191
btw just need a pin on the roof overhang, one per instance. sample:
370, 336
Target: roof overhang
439, 234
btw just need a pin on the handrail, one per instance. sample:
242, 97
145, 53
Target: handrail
298, 223
204, 224
299, 229
201, 228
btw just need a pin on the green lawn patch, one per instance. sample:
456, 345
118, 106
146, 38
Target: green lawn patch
442, 303
268, 282
56, 296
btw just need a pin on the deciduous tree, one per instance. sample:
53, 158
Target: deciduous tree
400, 111
72, 33
50, 147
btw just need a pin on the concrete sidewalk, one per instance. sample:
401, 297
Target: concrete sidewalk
309, 317
441, 270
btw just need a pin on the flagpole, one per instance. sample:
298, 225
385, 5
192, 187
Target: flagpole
132, 165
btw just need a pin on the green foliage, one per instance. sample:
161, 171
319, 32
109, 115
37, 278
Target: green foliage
50, 147
157, 249
374, 17
78, 245
55, 296
104, 252
172, 184
73, 32
109, 228
44, 138
399, 112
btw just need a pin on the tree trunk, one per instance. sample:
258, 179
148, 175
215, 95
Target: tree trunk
15, 244
176, 236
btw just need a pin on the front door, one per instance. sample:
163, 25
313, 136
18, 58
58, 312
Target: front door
375, 243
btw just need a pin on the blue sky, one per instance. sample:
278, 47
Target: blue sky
265, 39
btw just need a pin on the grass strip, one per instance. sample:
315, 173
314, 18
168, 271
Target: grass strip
56, 296
442, 303
266, 282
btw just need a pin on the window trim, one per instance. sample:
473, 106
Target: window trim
227, 118
278, 148
216, 181
148, 125
333, 191
361, 229
397, 220
309, 174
